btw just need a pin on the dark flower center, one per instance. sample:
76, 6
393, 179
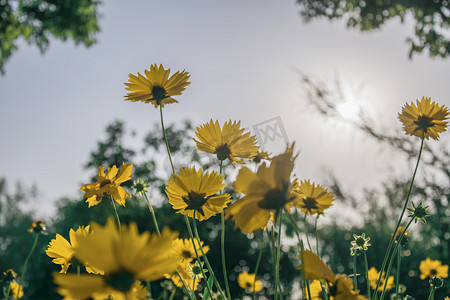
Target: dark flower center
274, 199
310, 203
103, 183
223, 152
195, 201
360, 242
423, 123
159, 93
186, 254
433, 272
121, 281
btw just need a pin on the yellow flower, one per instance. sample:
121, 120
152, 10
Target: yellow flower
108, 184
431, 268
447, 298
187, 278
261, 155
37, 226
182, 249
268, 189
344, 289
9, 275
16, 290
124, 257
156, 87
63, 252
192, 190
229, 142
314, 268
312, 198
424, 118
315, 288
137, 292
373, 279
246, 280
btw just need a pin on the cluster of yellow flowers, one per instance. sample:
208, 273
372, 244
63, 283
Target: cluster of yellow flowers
119, 258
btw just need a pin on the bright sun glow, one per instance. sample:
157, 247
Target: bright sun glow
349, 110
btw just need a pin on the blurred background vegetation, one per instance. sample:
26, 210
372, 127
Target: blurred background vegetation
37, 21
378, 210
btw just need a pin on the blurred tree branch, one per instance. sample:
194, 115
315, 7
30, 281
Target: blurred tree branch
38, 20
432, 19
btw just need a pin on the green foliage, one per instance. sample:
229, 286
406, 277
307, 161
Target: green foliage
431, 19
334, 238
38, 20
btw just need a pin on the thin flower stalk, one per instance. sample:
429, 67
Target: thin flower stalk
165, 139
394, 253
306, 233
387, 254
258, 260
24, 268
8, 291
316, 233
308, 290
195, 250
431, 296
397, 275
323, 284
277, 263
222, 243
355, 278
116, 214
366, 266
152, 212
216, 282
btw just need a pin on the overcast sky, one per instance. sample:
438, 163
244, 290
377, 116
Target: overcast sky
242, 57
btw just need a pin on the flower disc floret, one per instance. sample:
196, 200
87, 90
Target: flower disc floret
108, 184
229, 142
156, 86
192, 191
425, 118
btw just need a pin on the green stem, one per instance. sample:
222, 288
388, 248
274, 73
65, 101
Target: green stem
8, 291
261, 247
317, 235
277, 264
306, 233
78, 270
117, 215
323, 284
308, 290
172, 294
397, 275
366, 265
222, 245
431, 296
165, 138
152, 212
192, 297
386, 256
196, 252
216, 282
355, 278
149, 289
394, 253
296, 227
26, 262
